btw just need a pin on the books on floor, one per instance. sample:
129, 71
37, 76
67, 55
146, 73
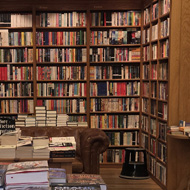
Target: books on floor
57, 175
24, 174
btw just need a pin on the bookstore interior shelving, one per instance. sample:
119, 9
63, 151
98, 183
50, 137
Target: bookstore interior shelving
107, 67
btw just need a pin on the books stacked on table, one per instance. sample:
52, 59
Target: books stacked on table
7, 151
72, 123
40, 147
30, 121
20, 122
57, 176
27, 175
82, 182
3, 169
24, 148
51, 118
62, 120
62, 147
40, 116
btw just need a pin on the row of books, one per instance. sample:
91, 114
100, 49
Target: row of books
163, 71
61, 89
154, 32
164, 49
145, 105
45, 118
144, 141
17, 106
114, 88
146, 35
15, 20
153, 126
145, 89
114, 104
145, 123
153, 89
61, 73
164, 28
115, 37
16, 55
123, 18
162, 151
11, 72
162, 110
114, 121
154, 11
161, 172
114, 54
15, 38
165, 6
163, 91
154, 51
115, 72
61, 38
146, 16
146, 53
153, 146
61, 55
122, 138
16, 89
64, 105
67, 19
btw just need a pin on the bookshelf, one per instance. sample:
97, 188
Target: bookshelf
115, 79
156, 32
154, 65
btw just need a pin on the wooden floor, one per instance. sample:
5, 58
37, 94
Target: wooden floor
114, 182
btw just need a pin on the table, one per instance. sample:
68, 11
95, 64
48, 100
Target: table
178, 162
52, 162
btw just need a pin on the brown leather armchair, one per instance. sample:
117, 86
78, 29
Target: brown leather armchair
90, 143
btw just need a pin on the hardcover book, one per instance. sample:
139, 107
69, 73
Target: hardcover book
86, 179
27, 173
57, 175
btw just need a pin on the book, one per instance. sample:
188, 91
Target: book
31, 172
57, 175
3, 169
73, 186
87, 179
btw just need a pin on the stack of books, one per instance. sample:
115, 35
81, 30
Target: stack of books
62, 120
62, 147
3, 169
51, 118
41, 147
20, 122
7, 151
40, 116
30, 121
27, 175
24, 148
72, 123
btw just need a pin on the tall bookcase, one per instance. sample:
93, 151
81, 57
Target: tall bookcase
155, 85
107, 68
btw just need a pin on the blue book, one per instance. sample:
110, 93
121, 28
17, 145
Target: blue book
102, 88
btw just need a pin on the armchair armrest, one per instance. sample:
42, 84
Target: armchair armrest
93, 143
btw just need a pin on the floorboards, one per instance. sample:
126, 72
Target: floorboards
114, 182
